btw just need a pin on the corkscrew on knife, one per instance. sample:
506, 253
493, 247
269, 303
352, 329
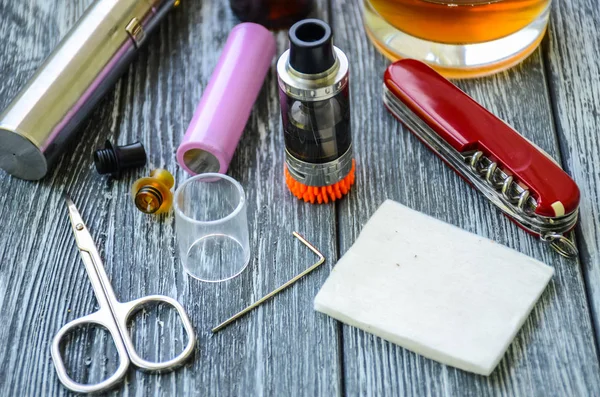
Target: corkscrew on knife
517, 176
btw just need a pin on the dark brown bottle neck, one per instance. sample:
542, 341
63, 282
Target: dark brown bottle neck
273, 14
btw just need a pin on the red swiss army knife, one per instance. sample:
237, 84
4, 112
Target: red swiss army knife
517, 176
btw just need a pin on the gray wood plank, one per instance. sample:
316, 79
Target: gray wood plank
572, 63
554, 354
282, 347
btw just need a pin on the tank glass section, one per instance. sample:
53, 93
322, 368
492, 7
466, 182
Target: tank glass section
318, 131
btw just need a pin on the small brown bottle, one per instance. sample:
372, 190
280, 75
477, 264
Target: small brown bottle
273, 14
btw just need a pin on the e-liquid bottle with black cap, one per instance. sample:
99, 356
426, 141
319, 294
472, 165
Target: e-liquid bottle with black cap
315, 110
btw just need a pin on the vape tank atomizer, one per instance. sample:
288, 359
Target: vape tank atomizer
315, 109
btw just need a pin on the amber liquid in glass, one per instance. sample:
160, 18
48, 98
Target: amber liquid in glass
459, 22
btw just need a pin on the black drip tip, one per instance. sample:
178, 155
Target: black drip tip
114, 159
311, 46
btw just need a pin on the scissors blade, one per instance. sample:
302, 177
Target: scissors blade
91, 258
82, 235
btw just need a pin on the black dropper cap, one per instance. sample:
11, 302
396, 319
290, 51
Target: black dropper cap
114, 159
311, 46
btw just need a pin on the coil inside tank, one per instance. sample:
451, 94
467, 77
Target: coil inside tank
315, 110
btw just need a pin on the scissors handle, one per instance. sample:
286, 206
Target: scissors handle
124, 311
101, 318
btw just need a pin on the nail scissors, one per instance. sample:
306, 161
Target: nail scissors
114, 316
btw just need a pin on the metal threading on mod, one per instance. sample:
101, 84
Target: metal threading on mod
500, 188
312, 174
313, 87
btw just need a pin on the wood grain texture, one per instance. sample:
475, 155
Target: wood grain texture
554, 354
284, 347
279, 348
571, 58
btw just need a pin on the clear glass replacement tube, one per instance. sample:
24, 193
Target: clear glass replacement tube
212, 227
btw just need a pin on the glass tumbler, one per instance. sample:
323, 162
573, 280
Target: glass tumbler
460, 38
212, 227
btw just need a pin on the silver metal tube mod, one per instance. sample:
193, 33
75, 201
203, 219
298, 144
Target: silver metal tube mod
87, 62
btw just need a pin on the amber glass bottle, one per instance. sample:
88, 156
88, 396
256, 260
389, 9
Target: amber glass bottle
273, 14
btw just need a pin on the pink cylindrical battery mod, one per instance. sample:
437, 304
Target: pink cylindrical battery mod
221, 115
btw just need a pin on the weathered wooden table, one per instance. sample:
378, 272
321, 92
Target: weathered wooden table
285, 347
